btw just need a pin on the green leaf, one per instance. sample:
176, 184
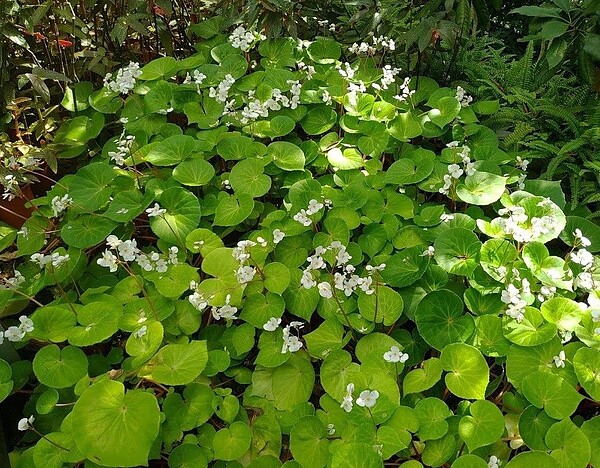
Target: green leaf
589, 230
286, 155
587, 367
538, 12
308, 442
98, 321
405, 126
90, 188
173, 150
348, 159
293, 381
164, 67
481, 188
194, 172
114, 427
277, 277
128, 205
533, 426
441, 321
324, 50
468, 375
181, 218
531, 331
405, 267
457, 251
76, 99
87, 230
550, 392
59, 368
568, 444
411, 168
178, 364
52, 323
564, 313
232, 210
188, 456
385, 305
484, 427
432, 413
6, 382
529, 459
318, 120
232, 442
248, 177
591, 428
419, 380
445, 111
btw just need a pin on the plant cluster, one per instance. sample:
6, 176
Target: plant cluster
287, 253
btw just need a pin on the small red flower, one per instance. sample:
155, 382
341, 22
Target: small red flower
65, 43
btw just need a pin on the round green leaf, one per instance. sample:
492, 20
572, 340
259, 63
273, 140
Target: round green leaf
293, 381
98, 321
411, 168
484, 427
481, 188
587, 367
115, 428
232, 210
87, 230
569, 445
529, 459
419, 380
45, 403
90, 189
194, 172
52, 323
202, 241
432, 413
248, 177
181, 218
441, 321
6, 382
277, 277
457, 251
187, 456
405, 267
468, 375
59, 368
533, 426
232, 442
531, 331
550, 392
385, 305
286, 155
309, 443
318, 120
178, 364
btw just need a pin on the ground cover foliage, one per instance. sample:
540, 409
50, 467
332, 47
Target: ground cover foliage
288, 252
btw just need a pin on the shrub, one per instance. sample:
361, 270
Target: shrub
283, 252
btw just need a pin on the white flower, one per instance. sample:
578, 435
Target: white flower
198, 301
13, 283
307, 280
463, 98
583, 258
326, 97
445, 217
25, 424
245, 274
14, 334
173, 255
161, 265
141, 332
330, 429
302, 218
430, 252
278, 235
26, 324
325, 290
367, 398
226, 311
347, 401
522, 163
58, 260
395, 355
494, 462
455, 171
108, 260
272, 324
293, 343
584, 241
313, 207
60, 204
125, 80
559, 361
113, 241
584, 280
156, 210
128, 250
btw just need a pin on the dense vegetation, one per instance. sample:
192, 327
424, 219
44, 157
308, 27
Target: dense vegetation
313, 234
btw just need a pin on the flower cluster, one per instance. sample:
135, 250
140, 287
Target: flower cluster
463, 98
292, 343
389, 76
12, 283
381, 42
55, 259
197, 77
256, 108
513, 224
405, 91
125, 80
129, 252
245, 273
16, 171
226, 311
124, 144
514, 297
302, 216
60, 204
243, 39
15, 333
221, 92
345, 279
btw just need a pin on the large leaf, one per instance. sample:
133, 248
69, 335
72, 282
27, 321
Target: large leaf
114, 427
178, 364
181, 218
468, 375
